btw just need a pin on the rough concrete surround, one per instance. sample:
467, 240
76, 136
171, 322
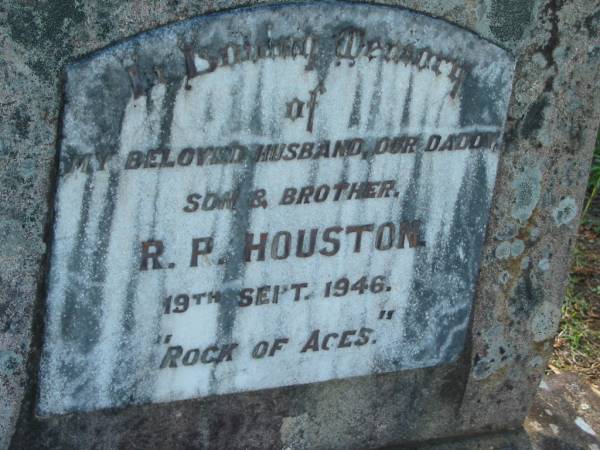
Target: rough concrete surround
551, 126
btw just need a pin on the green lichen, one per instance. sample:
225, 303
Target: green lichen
527, 190
565, 212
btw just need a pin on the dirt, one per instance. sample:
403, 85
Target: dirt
565, 414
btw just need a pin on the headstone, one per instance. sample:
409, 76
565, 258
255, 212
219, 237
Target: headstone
282, 226
269, 208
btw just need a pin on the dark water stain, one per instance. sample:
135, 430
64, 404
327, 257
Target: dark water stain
121, 378
106, 103
80, 323
237, 95
82, 318
427, 109
208, 108
450, 276
99, 259
75, 330
370, 160
376, 99
438, 114
256, 125
122, 388
235, 266
137, 355
164, 137
127, 378
356, 104
405, 121
479, 103
409, 212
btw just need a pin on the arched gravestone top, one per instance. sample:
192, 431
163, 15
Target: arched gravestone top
269, 197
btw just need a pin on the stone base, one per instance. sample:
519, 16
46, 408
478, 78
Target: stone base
507, 440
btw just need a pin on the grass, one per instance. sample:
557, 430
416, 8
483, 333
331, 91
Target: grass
594, 183
577, 347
